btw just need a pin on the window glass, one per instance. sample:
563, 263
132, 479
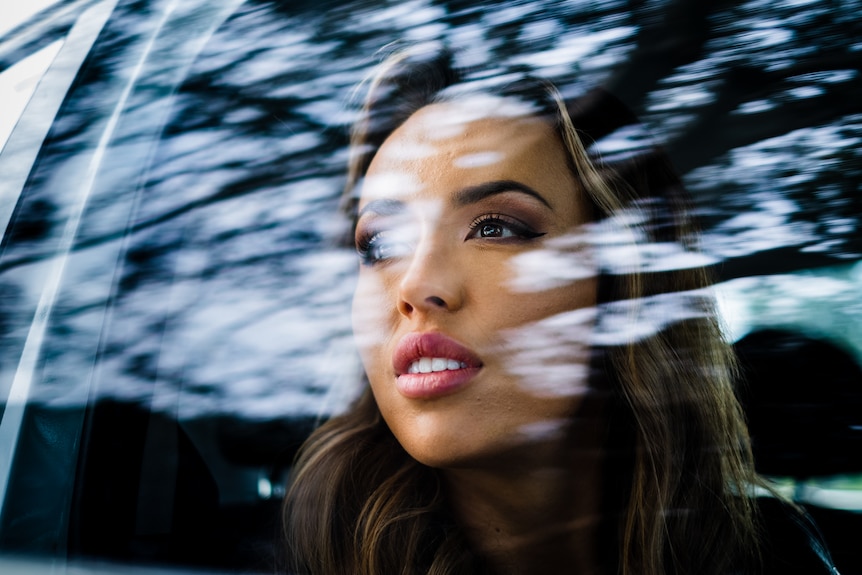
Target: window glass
175, 291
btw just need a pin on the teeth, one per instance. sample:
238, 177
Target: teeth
432, 364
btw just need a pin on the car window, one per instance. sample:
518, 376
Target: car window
175, 292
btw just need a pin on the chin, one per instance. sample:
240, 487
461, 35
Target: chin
472, 449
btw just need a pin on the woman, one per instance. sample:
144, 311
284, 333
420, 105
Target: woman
547, 391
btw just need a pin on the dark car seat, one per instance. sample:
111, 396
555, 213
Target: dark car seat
803, 400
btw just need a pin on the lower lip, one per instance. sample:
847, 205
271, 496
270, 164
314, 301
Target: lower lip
434, 384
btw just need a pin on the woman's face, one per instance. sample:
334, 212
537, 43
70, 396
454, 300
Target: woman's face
474, 302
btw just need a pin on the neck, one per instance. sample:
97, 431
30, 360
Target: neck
538, 510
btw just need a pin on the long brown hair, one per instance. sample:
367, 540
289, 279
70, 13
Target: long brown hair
681, 464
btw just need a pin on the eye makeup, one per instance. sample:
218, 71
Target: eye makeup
501, 227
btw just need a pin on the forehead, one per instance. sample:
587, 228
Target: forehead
447, 145
473, 119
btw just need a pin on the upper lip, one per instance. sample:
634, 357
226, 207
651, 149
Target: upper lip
414, 346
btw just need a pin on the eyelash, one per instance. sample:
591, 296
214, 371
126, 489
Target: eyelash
519, 229
365, 243
369, 241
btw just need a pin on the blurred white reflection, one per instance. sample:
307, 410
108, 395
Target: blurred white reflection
625, 321
822, 302
15, 13
17, 84
560, 261
550, 357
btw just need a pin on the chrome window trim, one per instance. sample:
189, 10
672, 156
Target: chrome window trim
16, 161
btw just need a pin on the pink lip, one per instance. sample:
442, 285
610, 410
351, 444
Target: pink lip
414, 346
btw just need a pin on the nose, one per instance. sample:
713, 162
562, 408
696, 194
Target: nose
431, 283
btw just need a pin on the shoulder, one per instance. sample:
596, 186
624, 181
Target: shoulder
791, 544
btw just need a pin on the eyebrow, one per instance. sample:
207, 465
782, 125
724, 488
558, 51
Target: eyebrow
463, 197
382, 208
473, 194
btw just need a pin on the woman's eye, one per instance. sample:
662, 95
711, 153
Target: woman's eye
494, 231
379, 247
502, 227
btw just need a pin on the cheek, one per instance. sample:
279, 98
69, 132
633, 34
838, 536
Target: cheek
545, 346
561, 262
549, 357
370, 315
